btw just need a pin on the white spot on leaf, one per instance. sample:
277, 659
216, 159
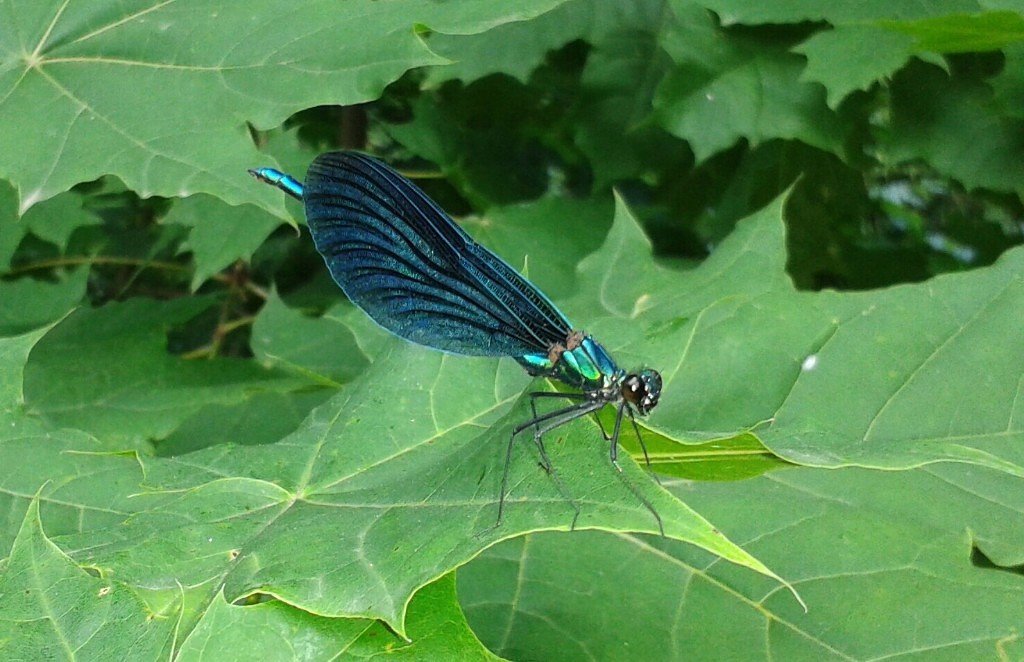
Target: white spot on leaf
29, 200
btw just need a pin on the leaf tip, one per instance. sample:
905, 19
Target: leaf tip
28, 201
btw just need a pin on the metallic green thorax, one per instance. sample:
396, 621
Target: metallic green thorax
586, 366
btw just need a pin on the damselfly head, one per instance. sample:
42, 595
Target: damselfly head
642, 389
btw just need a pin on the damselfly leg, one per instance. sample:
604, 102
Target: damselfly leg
550, 421
545, 423
643, 446
604, 433
574, 397
623, 408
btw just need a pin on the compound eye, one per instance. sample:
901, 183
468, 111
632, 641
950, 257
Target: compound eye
633, 391
652, 389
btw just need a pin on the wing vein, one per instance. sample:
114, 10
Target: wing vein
401, 259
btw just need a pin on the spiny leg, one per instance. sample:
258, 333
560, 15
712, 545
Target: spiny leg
552, 420
535, 421
600, 426
622, 475
640, 497
555, 422
567, 396
586, 407
639, 437
545, 463
615, 436
559, 394
643, 446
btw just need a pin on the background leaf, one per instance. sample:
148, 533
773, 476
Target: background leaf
524, 44
131, 386
220, 234
327, 354
55, 609
704, 99
28, 304
76, 62
928, 104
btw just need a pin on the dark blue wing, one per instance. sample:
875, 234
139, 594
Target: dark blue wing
414, 271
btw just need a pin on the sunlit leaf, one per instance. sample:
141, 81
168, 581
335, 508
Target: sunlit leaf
873, 552
893, 378
129, 386
411, 446
54, 609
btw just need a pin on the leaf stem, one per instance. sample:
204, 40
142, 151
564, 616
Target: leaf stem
95, 259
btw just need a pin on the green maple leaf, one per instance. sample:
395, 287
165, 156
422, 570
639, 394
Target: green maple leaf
160, 94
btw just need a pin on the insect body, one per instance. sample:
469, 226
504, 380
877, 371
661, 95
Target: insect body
403, 260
